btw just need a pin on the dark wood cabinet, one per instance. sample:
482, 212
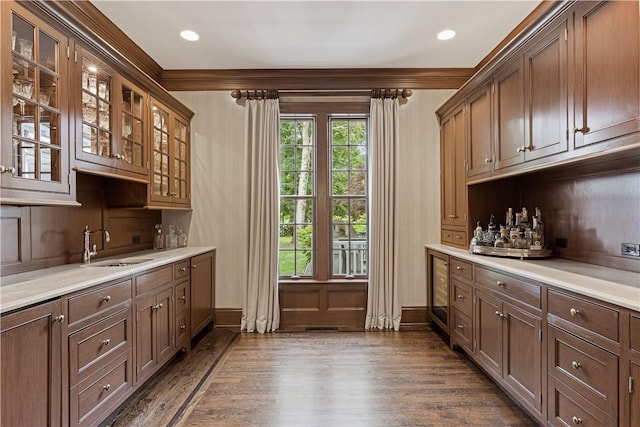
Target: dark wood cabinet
479, 132
509, 136
438, 288
546, 68
606, 94
508, 344
170, 182
110, 123
203, 292
633, 385
452, 169
35, 148
154, 332
31, 373
183, 317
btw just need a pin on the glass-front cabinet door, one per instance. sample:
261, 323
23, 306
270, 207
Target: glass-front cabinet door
170, 176
110, 126
35, 142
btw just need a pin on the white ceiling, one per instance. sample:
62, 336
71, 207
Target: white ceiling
316, 34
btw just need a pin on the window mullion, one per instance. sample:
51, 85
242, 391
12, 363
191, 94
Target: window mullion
323, 200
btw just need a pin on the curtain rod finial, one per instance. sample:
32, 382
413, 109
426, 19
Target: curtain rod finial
406, 93
236, 94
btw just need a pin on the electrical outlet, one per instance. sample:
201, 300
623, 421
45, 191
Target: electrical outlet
630, 249
561, 242
135, 239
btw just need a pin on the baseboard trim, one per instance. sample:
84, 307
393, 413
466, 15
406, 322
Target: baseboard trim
413, 318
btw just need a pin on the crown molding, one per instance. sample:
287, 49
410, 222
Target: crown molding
316, 79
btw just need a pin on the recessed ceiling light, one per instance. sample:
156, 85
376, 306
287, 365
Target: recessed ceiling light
446, 35
189, 35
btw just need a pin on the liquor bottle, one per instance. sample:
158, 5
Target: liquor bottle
538, 231
158, 238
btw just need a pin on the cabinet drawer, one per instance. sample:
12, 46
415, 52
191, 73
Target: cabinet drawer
589, 370
585, 314
93, 347
462, 297
182, 297
567, 408
153, 279
454, 237
462, 330
98, 302
99, 395
634, 327
181, 269
517, 288
461, 268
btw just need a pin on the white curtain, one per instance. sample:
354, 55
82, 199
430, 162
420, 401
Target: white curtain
383, 303
261, 308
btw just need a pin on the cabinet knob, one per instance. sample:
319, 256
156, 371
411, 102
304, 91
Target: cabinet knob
183, 326
523, 149
59, 318
183, 297
458, 237
182, 269
487, 160
106, 387
460, 296
7, 169
500, 283
576, 420
157, 306
576, 365
498, 313
460, 326
574, 312
451, 216
459, 268
107, 298
193, 266
583, 129
106, 342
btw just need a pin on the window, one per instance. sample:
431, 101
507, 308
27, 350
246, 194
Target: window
323, 196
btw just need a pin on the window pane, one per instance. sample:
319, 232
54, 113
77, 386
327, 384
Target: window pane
340, 157
340, 183
358, 157
340, 132
358, 132
358, 183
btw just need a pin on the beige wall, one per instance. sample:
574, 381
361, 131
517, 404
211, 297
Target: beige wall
219, 189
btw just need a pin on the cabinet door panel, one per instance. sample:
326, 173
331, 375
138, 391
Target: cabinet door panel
164, 325
479, 133
546, 69
634, 410
607, 71
146, 355
202, 291
509, 129
31, 367
488, 333
522, 355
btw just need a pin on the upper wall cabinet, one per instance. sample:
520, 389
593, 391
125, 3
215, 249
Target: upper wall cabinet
479, 132
35, 149
110, 124
170, 175
607, 71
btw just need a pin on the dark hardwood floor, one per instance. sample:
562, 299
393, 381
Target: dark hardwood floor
407, 378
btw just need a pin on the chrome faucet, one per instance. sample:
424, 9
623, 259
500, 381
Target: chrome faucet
89, 250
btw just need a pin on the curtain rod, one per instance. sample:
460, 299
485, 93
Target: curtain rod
273, 94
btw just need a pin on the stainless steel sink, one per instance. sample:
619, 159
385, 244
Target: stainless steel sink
125, 262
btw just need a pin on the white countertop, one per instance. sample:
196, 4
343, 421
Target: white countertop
618, 287
24, 289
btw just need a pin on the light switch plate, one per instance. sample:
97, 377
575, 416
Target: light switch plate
630, 249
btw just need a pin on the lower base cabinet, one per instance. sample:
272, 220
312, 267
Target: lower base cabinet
31, 367
202, 291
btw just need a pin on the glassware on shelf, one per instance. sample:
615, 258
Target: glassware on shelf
171, 238
182, 237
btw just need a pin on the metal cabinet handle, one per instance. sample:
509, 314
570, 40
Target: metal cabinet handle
59, 318
183, 326
183, 297
460, 296
182, 269
500, 314
500, 283
107, 298
583, 129
458, 237
523, 149
451, 216
106, 342
488, 160
576, 365
460, 326
459, 268
576, 420
193, 266
106, 387
574, 312
7, 169
157, 306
